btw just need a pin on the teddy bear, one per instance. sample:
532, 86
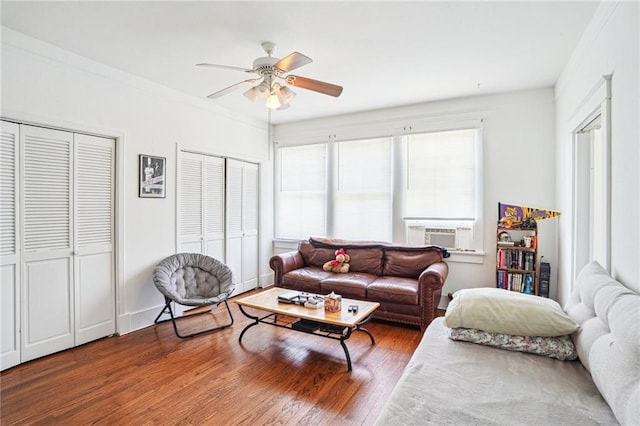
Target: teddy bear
339, 264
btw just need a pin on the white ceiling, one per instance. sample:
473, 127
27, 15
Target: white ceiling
384, 54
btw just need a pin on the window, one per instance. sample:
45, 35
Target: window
591, 188
301, 191
374, 189
591, 179
362, 190
440, 176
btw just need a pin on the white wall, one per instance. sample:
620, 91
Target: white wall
610, 45
519, 165
46, 85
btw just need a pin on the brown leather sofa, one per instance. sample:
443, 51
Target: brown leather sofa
405, 280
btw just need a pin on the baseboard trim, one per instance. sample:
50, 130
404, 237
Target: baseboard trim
134, 321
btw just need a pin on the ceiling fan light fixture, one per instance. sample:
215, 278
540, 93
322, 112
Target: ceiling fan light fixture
251, 94
263, 88
286, 95
259, 91
272, 100
270, 68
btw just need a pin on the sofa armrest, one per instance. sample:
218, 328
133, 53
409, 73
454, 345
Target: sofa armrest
430, 282
435, 275
283, 263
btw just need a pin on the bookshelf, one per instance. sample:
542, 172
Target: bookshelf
517, 259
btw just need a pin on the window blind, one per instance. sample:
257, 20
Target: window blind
301, 192
441, 175
362, 196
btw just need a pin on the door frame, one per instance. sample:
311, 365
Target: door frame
596, 103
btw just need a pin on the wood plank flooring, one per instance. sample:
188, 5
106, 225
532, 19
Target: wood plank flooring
275, 377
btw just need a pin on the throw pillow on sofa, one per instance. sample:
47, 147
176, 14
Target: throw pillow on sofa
500, 311
559, 347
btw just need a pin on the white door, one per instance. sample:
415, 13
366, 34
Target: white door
241, 224
47, 271
56, 241
250, 226
190, 208
214, 207
9, 248
201, 209
94, 238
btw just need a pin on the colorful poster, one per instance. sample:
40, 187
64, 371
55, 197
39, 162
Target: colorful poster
520, 213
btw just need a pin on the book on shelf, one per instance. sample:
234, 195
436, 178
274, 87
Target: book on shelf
515, 259
516, 281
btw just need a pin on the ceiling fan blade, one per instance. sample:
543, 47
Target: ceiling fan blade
315, 85
231, 88
292, 62
224, 67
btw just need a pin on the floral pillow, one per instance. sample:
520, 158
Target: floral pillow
559, 347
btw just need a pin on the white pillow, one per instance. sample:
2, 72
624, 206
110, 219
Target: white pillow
508, 312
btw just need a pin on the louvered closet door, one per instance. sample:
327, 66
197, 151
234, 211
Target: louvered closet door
201, 210
250, 226
9, 259
241, 223
47, 302
214, 207
191, 204
94, 238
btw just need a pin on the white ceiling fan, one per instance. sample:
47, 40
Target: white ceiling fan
271, 69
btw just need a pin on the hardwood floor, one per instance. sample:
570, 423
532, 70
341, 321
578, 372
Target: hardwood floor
275, 376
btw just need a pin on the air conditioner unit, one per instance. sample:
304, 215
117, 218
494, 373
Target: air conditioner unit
458, 238
445, 237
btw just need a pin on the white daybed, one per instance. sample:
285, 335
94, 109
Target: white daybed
451, 382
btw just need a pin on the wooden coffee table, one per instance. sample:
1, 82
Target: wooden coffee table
331, 325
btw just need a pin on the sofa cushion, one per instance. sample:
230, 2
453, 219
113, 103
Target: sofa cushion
305, 279
351, 284
334, 243
409, 263
364, 256
394, 290
501, 311
315, 256
367, 260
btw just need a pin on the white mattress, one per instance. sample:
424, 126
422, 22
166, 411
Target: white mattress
457, 383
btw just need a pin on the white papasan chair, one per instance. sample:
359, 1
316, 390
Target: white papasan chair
193, 279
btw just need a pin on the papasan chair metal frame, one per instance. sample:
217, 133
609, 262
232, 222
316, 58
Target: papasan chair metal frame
193, 279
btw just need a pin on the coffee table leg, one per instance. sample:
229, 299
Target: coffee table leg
373, 342
352, 330
346, 352
255, 318
360, 328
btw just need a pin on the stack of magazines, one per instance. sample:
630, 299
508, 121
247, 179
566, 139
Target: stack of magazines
291, 297
305, 299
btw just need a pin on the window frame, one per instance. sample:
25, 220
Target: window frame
597, 105
398, 138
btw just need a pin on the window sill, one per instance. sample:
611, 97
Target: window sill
461, 256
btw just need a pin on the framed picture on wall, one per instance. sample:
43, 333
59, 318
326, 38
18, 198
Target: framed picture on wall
152, 176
